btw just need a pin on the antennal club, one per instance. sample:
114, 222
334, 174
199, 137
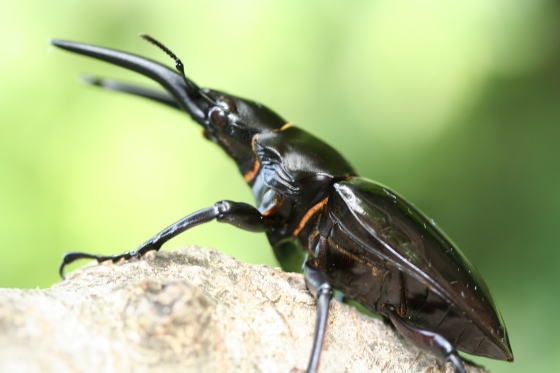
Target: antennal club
178, 63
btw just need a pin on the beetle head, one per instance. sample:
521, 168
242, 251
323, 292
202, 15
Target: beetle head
228, 120
232, 121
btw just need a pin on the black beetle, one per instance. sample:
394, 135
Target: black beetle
346, 232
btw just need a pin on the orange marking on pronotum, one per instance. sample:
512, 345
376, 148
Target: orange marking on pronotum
309, 214
284, 127
250, 175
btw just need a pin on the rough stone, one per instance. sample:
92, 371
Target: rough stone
190, 310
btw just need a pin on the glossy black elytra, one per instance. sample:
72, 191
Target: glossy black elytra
348, 233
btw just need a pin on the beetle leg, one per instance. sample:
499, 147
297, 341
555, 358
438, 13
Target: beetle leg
239, 214
428, 340
318, 285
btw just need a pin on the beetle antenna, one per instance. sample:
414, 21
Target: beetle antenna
178, 63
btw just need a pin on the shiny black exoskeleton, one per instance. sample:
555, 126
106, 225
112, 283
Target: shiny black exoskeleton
348, 233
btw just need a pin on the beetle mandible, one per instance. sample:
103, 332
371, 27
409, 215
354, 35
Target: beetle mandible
347, 233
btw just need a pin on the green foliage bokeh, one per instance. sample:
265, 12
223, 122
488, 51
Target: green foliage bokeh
452, 104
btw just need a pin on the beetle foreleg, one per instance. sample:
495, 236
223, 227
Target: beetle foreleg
428, 340
239, 214
318, 285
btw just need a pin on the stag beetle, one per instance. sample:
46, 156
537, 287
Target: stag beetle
348, 233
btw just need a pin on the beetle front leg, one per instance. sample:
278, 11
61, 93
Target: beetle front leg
318, 285
239, 214
428, 340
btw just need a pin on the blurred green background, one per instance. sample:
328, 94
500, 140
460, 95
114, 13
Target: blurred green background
453, 104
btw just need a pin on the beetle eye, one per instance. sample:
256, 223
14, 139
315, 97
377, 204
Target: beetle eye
219, 117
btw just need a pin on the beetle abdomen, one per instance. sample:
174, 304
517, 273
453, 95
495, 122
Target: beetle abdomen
390, 253
376, 283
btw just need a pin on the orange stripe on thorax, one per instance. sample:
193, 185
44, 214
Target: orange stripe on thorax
309, 214
284, 127
250, 175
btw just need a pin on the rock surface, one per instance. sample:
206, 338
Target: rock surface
190, 310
